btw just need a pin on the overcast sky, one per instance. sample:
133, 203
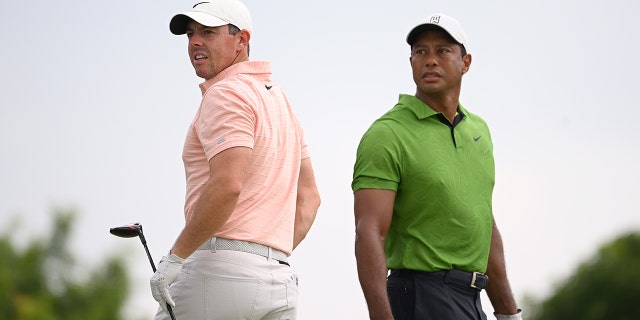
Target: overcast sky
97, 98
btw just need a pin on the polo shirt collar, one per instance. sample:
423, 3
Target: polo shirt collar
417, 106
244, 67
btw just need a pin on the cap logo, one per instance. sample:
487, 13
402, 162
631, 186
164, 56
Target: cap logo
199, 3
434, 19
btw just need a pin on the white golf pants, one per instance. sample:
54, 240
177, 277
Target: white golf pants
233, 285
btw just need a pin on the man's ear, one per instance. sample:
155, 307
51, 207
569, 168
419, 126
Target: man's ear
244, 37
466, 60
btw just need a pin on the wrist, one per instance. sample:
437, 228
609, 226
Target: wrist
172, 253
175, 259
516, 316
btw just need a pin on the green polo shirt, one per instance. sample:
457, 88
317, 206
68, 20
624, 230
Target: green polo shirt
443, 176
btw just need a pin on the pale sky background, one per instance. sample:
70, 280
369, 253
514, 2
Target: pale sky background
97, 97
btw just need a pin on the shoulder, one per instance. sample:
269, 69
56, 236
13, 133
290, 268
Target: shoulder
235, 90
473, 118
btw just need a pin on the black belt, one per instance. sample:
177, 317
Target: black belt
474, 280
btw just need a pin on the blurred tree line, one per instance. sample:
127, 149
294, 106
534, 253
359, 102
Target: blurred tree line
41, 282
605, 286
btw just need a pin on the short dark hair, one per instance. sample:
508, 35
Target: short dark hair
233, 30
463, 50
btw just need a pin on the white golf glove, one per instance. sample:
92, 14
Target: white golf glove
168, 271
517, 316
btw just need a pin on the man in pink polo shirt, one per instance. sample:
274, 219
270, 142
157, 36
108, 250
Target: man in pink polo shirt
251, 192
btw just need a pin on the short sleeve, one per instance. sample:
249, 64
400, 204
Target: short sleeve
226, 120
378, 162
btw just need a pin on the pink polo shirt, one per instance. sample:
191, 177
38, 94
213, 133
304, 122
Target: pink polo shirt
241, 106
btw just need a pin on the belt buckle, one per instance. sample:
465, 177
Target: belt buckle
473, 280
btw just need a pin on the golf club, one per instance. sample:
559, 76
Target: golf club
135, 230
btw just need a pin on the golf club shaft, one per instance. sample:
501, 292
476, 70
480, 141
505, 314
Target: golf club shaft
144, 244
153, 267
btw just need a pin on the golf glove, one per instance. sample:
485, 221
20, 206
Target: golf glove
517, 316
168, 271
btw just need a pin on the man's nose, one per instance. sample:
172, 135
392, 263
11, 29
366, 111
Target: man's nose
195, 39
430, 59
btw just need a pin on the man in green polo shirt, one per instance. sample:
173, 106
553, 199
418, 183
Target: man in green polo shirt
423, 182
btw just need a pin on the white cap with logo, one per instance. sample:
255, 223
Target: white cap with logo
447, 23
213, 13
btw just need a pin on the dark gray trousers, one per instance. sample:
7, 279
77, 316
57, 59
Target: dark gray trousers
416, 295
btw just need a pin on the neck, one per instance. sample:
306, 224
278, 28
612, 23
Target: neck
445, 104
241, 56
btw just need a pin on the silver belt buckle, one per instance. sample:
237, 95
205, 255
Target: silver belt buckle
473, 280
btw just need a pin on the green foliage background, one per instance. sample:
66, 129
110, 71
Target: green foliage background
41, 282
606, 286
44, 282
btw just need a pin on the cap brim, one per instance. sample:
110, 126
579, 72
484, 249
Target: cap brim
178, 24
417, 30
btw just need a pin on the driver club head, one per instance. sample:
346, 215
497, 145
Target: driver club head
127, 231
135, 230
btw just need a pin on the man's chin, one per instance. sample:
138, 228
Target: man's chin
206, 75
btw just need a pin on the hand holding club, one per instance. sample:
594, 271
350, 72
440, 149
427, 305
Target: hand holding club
135, 230
168, 271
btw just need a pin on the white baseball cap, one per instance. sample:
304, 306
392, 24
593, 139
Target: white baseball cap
447, 23
213, 13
